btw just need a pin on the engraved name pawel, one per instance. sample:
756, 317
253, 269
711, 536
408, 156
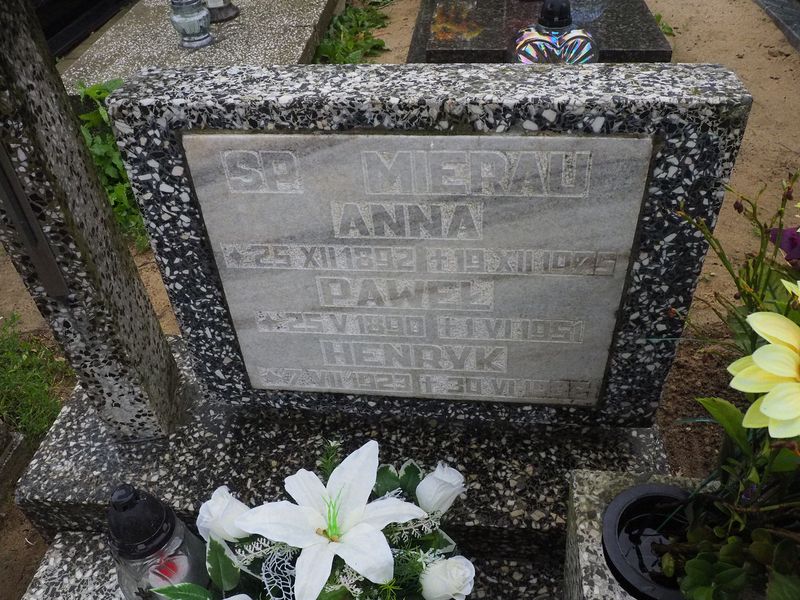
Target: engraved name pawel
429, 266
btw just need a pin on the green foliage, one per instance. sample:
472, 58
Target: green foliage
349, 38
331, 457
758, 279
407, 479
221, 569
96, 130
783, 587
744, 533
730, 418
30, 374
184, 591
711, 578
337, 593
387, 480
410, 478
663, 25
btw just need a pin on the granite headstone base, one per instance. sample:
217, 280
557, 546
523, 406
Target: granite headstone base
78, 566
483, 31
515, 507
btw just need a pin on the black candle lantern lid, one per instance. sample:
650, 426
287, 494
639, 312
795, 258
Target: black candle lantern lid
555, 14
139, 524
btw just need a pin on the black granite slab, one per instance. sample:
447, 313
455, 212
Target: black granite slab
454, 31
786, 14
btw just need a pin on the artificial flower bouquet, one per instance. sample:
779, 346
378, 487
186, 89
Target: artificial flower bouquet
352, 534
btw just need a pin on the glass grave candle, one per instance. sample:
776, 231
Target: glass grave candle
554, 39
151, 547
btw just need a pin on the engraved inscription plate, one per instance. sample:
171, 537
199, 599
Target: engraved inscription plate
430, 266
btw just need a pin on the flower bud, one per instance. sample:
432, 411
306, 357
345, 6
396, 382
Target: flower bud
448, 579
438, 490
738, 206
217, 516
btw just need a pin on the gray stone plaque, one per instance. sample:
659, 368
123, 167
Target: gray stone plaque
439, 266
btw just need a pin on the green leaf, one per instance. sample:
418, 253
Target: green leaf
730, 418
703, 593
410, 476
184, 591
732, 552
699, 570
762, 552
783, 587
733, 580
339, 593
785, 557
221, 568
387, 480
785, 461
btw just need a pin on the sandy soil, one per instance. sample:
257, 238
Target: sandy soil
21, 546
735, 33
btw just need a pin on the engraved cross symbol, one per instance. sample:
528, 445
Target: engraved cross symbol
438, 259
233, 256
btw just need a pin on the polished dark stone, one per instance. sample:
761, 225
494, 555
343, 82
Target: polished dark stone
786, 14
452, 31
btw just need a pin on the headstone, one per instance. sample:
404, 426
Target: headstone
455, 31
57, 227
471, 207
496, 245
437, 266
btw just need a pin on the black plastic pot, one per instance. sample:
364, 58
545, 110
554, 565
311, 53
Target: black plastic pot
632, 523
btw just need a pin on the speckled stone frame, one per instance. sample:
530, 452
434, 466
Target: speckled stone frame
696, 115
68, 251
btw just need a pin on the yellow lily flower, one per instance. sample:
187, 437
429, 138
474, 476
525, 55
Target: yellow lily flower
773, 370
779, 410
777, 362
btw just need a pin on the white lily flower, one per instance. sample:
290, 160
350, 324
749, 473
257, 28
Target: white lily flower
334, 521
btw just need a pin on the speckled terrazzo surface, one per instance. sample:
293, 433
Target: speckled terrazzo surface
264, 33
515, 507
93, 300
78, 566
695, 113
587, 576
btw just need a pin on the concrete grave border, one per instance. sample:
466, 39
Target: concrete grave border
695, 113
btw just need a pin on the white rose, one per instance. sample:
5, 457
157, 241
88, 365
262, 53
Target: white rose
446, 579
240, 597
218, 516
438, 491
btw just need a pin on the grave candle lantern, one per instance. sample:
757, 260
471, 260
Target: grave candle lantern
554, 39
151, 547
191, 20
222, 10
